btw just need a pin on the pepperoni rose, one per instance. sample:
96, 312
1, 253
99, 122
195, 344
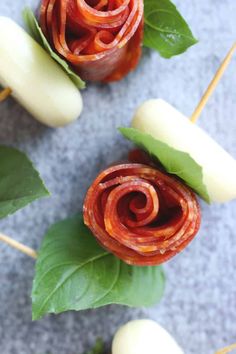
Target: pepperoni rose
100, 39
140, 214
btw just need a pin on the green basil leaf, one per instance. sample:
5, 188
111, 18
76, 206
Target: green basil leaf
174, 161
98, 348
36, 32
165, 29
20, 183
73, 272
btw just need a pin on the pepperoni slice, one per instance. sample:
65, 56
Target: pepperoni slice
140, 214
100, 39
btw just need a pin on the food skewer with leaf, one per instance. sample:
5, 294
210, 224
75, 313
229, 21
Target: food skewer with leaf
98, 42
86, 262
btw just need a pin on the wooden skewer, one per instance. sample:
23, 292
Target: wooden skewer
227, 349
213, 84
6, 239
5, 93
19, 246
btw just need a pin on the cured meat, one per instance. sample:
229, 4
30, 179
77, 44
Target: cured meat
140, 214
100, 39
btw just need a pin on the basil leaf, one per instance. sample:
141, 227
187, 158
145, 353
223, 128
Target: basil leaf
20, 183
174, 161
98, 348
36, 32
74, 273
165, 29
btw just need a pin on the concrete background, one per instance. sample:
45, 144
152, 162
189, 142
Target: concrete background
199, 307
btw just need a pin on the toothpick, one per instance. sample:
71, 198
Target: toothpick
227, 349
6, 239
213, 84
5, 93
19, 246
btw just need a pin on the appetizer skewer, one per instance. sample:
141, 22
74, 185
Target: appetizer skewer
144, 216
101, 41
165, 112
34, 79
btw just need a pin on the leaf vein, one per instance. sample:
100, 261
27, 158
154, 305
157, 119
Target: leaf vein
112, 285
41, 308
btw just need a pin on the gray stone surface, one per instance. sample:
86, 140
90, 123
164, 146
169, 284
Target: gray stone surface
199, 307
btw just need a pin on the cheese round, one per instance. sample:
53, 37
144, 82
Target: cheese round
144, 336
165, 123
37, 82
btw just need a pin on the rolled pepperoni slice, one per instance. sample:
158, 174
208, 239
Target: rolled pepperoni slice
100, 39
140, 214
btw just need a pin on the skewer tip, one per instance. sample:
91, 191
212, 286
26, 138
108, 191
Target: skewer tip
5, 93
